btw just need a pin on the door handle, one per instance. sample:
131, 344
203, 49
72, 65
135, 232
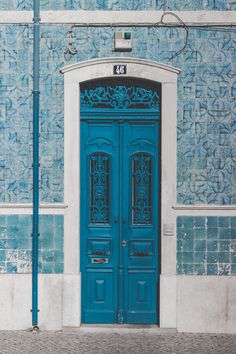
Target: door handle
123, 220
123, 243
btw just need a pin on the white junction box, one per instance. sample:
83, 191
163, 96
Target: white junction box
123, 41
168, 229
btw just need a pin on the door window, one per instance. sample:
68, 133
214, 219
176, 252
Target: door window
99, 188
141, 189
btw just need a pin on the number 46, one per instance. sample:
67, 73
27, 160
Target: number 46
120, 69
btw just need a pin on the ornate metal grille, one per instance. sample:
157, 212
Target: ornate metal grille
99, 188
119, 96
141, 189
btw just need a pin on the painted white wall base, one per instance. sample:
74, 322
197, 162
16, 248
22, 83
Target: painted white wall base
15, 301
72, 300
168, 301
206, 304
59, 301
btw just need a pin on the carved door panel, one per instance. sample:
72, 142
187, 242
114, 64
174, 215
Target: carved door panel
99, 226
119, 221
140, 224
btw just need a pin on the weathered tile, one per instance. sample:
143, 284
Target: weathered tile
214, 255
16, 243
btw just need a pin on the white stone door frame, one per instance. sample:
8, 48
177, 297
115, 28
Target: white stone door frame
75, 74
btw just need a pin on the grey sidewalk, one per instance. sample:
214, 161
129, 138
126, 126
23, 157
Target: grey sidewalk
93, 340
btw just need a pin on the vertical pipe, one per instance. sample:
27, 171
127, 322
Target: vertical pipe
35, 164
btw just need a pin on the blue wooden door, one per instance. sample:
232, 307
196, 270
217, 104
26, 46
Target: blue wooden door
139, 233
99, 221
119, 219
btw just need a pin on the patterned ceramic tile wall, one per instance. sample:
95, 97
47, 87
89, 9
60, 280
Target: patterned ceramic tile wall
83, 4
15, 114
16, 120
206, 107
206, 245
52, 115
16, 244
218, 5
120, 4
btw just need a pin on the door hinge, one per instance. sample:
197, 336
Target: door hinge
120, 317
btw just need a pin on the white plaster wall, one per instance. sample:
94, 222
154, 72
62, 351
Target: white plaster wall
15, 301
128, 18
71, 301
56, 292
168, 301
206, 304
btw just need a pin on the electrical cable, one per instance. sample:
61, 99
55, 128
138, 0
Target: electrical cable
184, 26
181, 24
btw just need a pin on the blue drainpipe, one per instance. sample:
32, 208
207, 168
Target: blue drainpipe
35, 165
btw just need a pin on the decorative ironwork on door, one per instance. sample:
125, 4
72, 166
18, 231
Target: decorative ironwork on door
99, 188
120, 96
141, 189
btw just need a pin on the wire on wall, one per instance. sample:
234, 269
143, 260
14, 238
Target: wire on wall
70, 51
161, 22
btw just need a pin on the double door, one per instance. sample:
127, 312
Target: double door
119, 221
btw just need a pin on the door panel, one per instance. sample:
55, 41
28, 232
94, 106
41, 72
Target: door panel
140, 229
119, 221
99, 230
141, 296
100, 296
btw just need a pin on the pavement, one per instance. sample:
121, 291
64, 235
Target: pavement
96, 340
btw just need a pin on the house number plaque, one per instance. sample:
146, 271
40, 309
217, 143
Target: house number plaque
119, 69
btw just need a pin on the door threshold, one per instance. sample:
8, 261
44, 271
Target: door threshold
123, 327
